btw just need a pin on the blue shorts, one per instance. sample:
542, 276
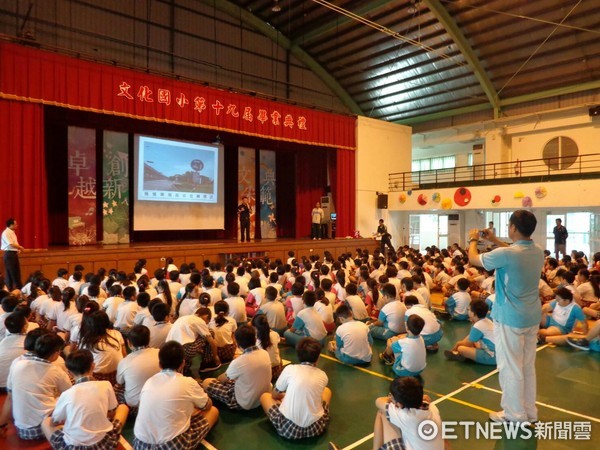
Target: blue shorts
595, 345
433, 338
550, 322
483, 357
348, 359
456, 316
401, 371
382, 333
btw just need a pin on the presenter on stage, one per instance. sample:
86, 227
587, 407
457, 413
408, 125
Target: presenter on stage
244, 212
317, 219
10, 246
386, 238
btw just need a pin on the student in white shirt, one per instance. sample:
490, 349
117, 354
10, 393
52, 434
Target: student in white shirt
298, 406
352, 344
86, 415
355, 303
224, 328
325, 309
457, 305
127, 311
391, 316
174, 411
432, 331
159, 323
407, 355
208, 286
268, 340
274, 311
111, 304
136, 368
247, 377
33, 385
237, 305
11, 346
308, 322
143, 312
9, 303
61, 281
60, 316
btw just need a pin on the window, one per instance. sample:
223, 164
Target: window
427, 230
500, 220
440, 162
579, 226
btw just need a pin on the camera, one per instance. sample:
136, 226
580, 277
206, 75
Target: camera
482, 233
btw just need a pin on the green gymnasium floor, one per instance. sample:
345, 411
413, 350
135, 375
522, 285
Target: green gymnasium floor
462, 392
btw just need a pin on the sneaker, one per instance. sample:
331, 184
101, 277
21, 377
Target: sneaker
386, 359
209, 368
498, 417
453, 356
580, 343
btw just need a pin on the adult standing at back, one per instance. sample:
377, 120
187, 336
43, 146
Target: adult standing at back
516, 313
10, 246
560, 238
317, 216
244, 211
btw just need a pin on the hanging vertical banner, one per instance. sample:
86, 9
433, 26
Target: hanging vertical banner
268, 222
247, 182
82, 185
115, 188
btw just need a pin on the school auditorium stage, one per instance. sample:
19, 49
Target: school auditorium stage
124, 256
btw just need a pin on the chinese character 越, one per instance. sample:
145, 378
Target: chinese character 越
164, 96
84, 188
248, 114
145, 94
78, 162
302, 123
217, 106
288, 121
231, 109
262, 116
182, 100
199, 104
124, 91
275, 116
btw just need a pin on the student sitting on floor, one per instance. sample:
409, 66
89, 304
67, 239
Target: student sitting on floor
247, 377
268, 340
407, 355
355, 303
224, 328
33, 386
11, 347
560, 316
480, 344
298, 407
591, 341
457, 305
237, 305
325, 309
143, 300
391, 316
352, 344
159, 323
432, 332
294, 304
89, 413
136, 368
274, 311
175, 412
308, 322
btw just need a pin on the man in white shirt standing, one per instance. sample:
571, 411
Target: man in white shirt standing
11, 248
317, 216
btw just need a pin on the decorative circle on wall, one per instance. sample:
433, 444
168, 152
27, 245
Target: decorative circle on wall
541, 192
447, 203
436, 197
462, 196
422, 199
496, 199
402, 198
560, 153
527, 202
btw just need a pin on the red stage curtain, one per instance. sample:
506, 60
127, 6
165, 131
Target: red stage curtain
311, 180
23, 188
343, 183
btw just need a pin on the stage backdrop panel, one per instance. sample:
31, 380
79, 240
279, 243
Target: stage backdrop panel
82, 185
247, 183
267, 176
115, 188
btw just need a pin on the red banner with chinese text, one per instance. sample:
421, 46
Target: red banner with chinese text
82, 186
40, 76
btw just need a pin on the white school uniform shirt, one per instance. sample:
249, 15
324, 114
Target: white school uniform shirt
325, 311
188, 306
141, 314
259, 295
126, 313
392, 315
424, 292
296, 303
84, 409
309, 322
413, 353
158, 331
215, 295
11, 348
408, 420
274, 311
187, 329
3, 317
160, 421
431, 323
462, 301
428, 280
63, 317
340, 292
134, 370
356, 340
586, 292
35, 385
38, 305
252, 374
174, 287
417, 294
223, 334
61, 283
303, 385
107, 357
243, 283
359, 310
237, 309
110, 306
273, 350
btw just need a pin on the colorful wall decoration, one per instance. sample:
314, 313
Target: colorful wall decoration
82, 185
267, 199
247, 183
115, 188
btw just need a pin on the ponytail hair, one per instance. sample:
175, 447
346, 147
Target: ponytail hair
340, 276
316, 279
67, 296
221, 312
263, 330
372, 283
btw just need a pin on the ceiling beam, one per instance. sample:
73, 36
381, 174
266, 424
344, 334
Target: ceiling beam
269, 31
316, 33
442, 15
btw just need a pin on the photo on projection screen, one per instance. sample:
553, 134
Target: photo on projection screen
178, 185
175, 171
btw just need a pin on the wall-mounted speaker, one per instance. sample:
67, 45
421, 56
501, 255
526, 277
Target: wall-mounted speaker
382, 201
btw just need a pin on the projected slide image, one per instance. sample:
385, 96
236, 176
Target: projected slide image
175, 171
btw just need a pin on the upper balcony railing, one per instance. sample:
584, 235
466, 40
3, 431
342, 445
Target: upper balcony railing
526, 171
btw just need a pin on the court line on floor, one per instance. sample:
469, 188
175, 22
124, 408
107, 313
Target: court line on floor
446, 397
546, 405
208, 445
